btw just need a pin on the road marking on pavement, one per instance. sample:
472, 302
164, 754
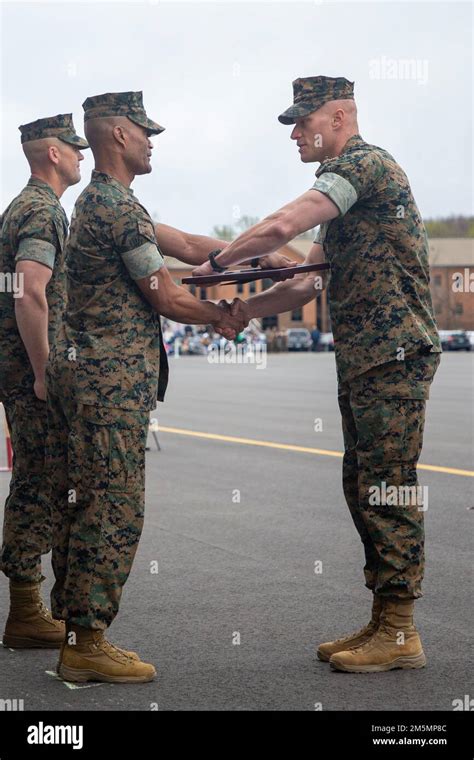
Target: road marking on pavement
300, 449
69, 684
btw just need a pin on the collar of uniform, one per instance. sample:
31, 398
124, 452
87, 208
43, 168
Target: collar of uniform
108, 180
353, 142
35, 182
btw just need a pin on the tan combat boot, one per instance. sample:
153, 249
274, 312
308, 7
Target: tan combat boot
93, 658
395, 644
133, 655
325, 651
30, 623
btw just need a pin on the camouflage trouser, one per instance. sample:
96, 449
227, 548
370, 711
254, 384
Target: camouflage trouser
96, 467
383, 414
27, 521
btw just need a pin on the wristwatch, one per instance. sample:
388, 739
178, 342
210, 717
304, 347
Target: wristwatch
212, 258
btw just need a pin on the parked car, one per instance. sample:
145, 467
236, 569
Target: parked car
470, 335
326, 342
298, 339
455, 340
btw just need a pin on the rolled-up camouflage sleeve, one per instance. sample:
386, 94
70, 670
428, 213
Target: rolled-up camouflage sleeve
350, 178
38, 238
320, 234
135, 241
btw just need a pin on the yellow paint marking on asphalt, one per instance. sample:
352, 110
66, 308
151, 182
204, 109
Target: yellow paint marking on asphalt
300, 449
449, 470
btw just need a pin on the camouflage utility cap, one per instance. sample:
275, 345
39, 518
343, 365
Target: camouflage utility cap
128, 104
60, 126
310, 93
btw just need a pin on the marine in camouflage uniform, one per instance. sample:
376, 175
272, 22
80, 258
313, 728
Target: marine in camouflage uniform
387, 351
34, 228
105, 373
102, 382
386, 343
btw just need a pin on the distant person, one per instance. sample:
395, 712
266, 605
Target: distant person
315, 337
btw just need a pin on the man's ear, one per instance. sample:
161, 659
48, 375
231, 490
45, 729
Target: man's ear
120, 135
53, 154
338, 118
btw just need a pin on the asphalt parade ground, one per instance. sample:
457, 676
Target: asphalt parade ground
249, 557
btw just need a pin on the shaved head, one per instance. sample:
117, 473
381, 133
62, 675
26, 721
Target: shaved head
37, 151
99, 132
348, 108
54, 161
121, 147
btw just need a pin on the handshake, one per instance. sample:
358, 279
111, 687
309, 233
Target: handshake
233, 317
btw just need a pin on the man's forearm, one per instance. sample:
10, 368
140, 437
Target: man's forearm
265, 237
192, 249
200, 246
304, 213
181, 306
284, 296
31, 314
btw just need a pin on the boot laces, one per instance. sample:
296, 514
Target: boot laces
369, 644
386, 628
361, 631
120, 650
112, 649
44, 611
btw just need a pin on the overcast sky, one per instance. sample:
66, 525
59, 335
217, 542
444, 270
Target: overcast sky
217, 75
